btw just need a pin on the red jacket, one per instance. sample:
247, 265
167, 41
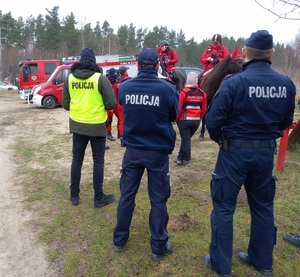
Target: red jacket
170, 55
117, 84
192, 104
218, 53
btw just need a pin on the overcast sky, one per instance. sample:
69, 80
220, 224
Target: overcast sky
198, 19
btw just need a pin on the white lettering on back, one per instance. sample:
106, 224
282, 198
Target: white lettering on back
139, 99
267, 92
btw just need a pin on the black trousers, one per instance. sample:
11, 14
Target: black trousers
80, 143
187, 128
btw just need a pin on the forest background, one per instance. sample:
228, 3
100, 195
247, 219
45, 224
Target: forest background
49, 37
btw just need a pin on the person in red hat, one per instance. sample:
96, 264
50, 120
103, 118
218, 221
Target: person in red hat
214, 53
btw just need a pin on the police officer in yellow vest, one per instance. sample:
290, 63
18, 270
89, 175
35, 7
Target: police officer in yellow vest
88, 94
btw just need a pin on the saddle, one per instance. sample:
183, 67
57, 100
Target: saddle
201, 78
174, 77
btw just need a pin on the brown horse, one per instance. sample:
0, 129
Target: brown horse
177, 77
211, 80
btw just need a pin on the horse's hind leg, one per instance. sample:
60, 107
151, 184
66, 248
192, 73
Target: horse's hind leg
202, 129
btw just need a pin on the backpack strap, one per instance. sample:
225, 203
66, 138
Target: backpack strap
186, 89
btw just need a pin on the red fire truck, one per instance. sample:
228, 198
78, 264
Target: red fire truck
32, 73
49, 94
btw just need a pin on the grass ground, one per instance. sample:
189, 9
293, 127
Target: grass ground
79, 239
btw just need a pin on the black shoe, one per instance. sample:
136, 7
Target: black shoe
110, 136
119, 248
75, 200
167, 250
186, 163
244, 258
178, 161
295, 240
207, 264
122, 144
106, 199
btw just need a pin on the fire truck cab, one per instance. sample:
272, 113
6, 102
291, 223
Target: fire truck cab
49, 94
34, 72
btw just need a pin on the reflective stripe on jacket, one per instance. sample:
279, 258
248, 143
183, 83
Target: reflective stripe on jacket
192, 104
86, 104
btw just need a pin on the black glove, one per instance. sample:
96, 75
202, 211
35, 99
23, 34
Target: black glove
280, 134
215, 61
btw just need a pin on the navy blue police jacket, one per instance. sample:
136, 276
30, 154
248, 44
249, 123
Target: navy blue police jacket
150, 105
256, 103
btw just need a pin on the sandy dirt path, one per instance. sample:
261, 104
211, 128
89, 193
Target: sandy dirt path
20, 252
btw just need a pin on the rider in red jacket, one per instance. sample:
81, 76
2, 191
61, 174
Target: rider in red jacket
167, 55
214, 53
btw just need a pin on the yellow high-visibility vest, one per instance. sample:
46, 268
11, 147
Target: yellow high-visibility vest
86, 104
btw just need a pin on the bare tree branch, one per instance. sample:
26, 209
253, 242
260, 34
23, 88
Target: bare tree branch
283, 9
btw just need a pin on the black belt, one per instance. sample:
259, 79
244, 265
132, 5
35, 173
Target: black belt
245, 143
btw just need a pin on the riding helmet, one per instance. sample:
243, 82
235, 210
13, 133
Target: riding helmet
164, 42
217, 37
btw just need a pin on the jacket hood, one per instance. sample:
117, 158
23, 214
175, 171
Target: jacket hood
83, 73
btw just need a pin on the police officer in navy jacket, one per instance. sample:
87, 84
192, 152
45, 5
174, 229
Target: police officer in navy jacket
245, 117
150, 105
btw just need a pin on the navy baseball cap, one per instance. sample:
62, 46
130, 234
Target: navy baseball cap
261, 40
123, 69
148, 56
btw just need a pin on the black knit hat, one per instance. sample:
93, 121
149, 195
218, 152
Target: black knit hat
88, 54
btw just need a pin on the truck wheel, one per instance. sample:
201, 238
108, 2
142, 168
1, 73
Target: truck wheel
50, 102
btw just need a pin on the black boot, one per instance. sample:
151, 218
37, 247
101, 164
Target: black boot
105, 200
122, 144
110, 136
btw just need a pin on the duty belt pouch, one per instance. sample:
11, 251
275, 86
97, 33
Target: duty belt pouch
224, 143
